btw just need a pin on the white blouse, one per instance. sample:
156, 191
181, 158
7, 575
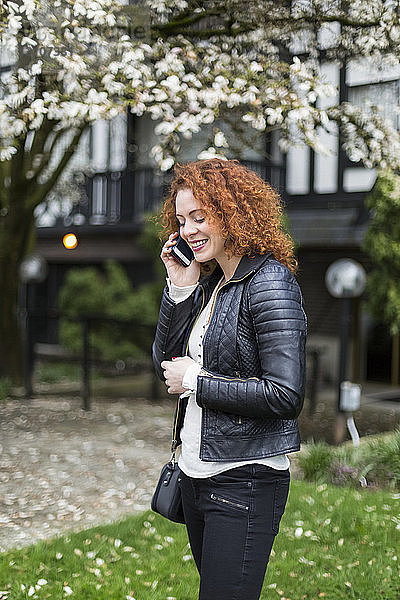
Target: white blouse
189, 459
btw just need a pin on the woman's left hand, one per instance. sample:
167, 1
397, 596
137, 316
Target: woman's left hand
174, 371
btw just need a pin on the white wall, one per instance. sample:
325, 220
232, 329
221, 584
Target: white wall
298, 169
326, 165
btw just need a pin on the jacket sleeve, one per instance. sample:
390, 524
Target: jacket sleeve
171, 330
274, 303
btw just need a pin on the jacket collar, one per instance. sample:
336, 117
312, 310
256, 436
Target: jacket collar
247, 265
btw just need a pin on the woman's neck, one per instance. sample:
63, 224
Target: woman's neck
229, 265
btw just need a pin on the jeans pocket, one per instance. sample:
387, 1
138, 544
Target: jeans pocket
280, 498
229, 502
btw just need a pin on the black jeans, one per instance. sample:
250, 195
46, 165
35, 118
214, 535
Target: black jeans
232, 520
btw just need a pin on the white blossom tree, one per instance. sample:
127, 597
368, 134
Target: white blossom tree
186, 63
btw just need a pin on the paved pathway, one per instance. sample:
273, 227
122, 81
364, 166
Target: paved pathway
62, 468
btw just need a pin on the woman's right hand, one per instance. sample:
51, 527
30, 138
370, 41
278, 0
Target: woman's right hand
177, 273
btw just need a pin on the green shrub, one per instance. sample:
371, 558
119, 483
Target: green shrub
55, 372
384, 456
108, 294
5, 388
375, 463
316, 462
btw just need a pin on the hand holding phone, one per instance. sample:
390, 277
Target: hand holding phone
177, 257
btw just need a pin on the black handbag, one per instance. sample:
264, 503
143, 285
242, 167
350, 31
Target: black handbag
167, 498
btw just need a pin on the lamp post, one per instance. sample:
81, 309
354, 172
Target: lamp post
33, 269
345, 279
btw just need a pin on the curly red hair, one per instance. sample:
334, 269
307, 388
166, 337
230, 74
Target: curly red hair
244, 208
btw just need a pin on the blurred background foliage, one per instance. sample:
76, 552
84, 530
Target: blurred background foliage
382, 244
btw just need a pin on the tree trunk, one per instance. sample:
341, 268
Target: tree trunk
10, 334
15, 238
18, 200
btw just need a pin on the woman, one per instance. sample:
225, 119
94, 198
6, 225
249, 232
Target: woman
233, 343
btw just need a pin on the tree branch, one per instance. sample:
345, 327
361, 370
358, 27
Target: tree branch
16, 171
188, 17
46, 156
179, 25
4, 167
39, 140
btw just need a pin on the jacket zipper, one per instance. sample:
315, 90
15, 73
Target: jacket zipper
219, 377
211, 376
229, 502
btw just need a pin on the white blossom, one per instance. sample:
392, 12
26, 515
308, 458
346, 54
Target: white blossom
220, 140
211, 152
166, 163
184, 84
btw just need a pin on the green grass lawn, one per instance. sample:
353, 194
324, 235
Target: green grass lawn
334, 543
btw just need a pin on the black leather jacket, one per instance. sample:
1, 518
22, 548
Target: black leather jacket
252, 384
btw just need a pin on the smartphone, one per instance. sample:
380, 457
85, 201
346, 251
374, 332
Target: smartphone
182, 252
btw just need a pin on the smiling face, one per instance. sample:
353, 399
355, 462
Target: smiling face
204, 239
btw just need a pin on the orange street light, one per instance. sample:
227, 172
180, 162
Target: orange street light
70, 241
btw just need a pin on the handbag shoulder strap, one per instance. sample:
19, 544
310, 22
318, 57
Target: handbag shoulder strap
174, 441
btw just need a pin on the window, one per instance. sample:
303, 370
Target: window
385, 94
